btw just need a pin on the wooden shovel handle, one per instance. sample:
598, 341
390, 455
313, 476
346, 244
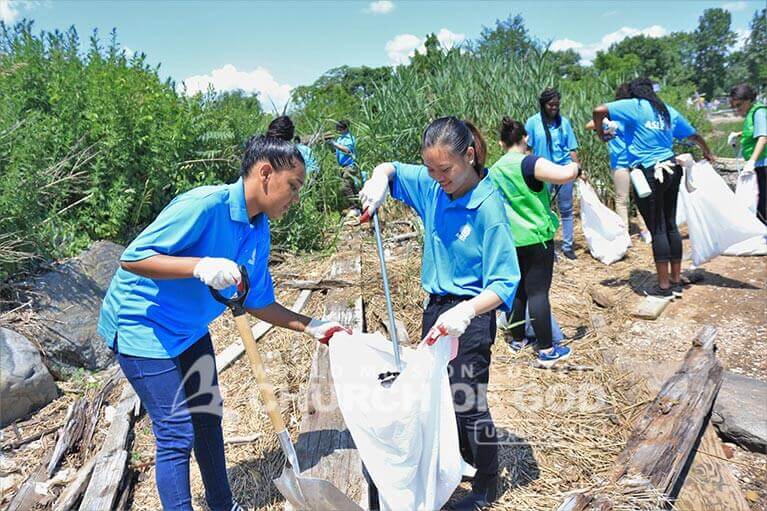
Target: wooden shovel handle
257, 365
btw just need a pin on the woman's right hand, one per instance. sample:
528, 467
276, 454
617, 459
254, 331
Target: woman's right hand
373, 193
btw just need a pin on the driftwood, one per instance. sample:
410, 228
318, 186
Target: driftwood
317, 284
31, 438
402, 237
658, 453
325, 448
111, 460
75, 489
651, 307
26, 497
70, 434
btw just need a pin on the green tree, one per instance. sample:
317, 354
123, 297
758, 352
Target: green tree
508, 39
755, 51
567, 64
713, 39
660, 58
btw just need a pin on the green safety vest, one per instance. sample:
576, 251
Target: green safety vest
747, 140
529, 212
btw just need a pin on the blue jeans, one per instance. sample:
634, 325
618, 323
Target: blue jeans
565, 205
182, 398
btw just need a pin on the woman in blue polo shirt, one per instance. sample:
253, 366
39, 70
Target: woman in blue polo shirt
650, 129
551, 136
156, 312
283, 127
469, 269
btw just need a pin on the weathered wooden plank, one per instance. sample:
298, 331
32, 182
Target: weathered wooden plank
325, 448
70, 434
317, 284
26, 498
111, 460
235, 350
651, 307
72, 492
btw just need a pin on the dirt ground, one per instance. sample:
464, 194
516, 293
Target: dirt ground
560, 429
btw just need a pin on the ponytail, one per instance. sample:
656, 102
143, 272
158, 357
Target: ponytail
512, 132
641, 88
458, 135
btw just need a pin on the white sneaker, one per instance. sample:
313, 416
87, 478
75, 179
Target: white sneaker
646, 237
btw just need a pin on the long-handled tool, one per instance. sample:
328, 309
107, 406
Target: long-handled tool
389, 376
303, 493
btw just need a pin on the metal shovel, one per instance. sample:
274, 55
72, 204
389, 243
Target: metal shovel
303, 493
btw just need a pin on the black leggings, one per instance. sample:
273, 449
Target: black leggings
659, 212
761, 205
536, 266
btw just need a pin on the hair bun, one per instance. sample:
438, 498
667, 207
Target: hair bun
507, 121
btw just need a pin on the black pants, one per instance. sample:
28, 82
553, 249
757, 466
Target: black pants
536, 266
761, 205
659, 212
469, 372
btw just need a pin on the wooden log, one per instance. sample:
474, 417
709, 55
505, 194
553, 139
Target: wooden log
31, 438
70, 434
235, 350
324, 447
658, 453
111, 460
75, 489
317, 284
26, 498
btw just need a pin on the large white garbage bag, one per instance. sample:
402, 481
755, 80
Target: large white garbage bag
747, 193
715, 220
605, 232
406, 434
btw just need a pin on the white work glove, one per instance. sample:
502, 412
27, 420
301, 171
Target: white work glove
217, 272
373, 193
667, 166
733, 139
322, 330
610, 127
453, 321
748, 168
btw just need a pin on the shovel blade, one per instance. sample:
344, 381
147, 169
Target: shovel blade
312, 494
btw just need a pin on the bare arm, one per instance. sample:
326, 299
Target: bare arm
162, 267
598, 115
700, 142
342, 148
574, 156
485, 301
550, 172
279, 315
589, 125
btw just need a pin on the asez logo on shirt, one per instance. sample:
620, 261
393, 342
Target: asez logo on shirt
252, 259
655, 125
464, 233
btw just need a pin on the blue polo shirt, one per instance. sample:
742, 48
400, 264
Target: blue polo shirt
347, 140
310, 162
562, 139
647, 137
617, 149
162, 318
760, 130
467, 242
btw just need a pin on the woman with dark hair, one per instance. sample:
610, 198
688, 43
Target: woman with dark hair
651, 127
283, 127
469, 269
156, 312
619, 164
551, 136
753, 139
521, 179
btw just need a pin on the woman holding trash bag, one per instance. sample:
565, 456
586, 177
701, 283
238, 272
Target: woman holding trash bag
156, 312
469, 269
619, 165
551, 135
651, 127
753, 139
522, 180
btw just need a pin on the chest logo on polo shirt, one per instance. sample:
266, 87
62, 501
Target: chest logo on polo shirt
252, 259
464, 233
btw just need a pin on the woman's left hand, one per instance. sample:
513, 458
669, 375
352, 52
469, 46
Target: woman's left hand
453, 321
323, 331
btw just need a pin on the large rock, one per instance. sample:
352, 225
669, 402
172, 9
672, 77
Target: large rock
67, 301
740, 412
25, 383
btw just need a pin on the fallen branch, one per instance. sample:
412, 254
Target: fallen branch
317, 284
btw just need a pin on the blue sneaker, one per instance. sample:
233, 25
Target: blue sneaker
520, 345
547, 359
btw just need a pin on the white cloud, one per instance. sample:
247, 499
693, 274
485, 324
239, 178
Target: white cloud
8, 11
380, 7
128, 52
589, 51
402, 47
734, 6
743, 35
229, 78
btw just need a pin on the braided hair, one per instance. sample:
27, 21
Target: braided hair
546, 96
642, 88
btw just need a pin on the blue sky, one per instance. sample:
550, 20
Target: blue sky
270, 47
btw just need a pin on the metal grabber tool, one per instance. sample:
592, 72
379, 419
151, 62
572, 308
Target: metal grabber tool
388, 377
303, 493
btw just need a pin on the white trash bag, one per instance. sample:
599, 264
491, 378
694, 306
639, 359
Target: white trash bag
406, 434
605, 232
747, 194
715, 220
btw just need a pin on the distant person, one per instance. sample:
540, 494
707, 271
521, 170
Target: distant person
651, 126
522, 180
619, 164
156, 312
753, 139
345, 146
550, 135
282, 127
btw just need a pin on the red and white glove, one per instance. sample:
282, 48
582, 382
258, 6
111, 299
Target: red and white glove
453, 321
322, 331
217, 272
